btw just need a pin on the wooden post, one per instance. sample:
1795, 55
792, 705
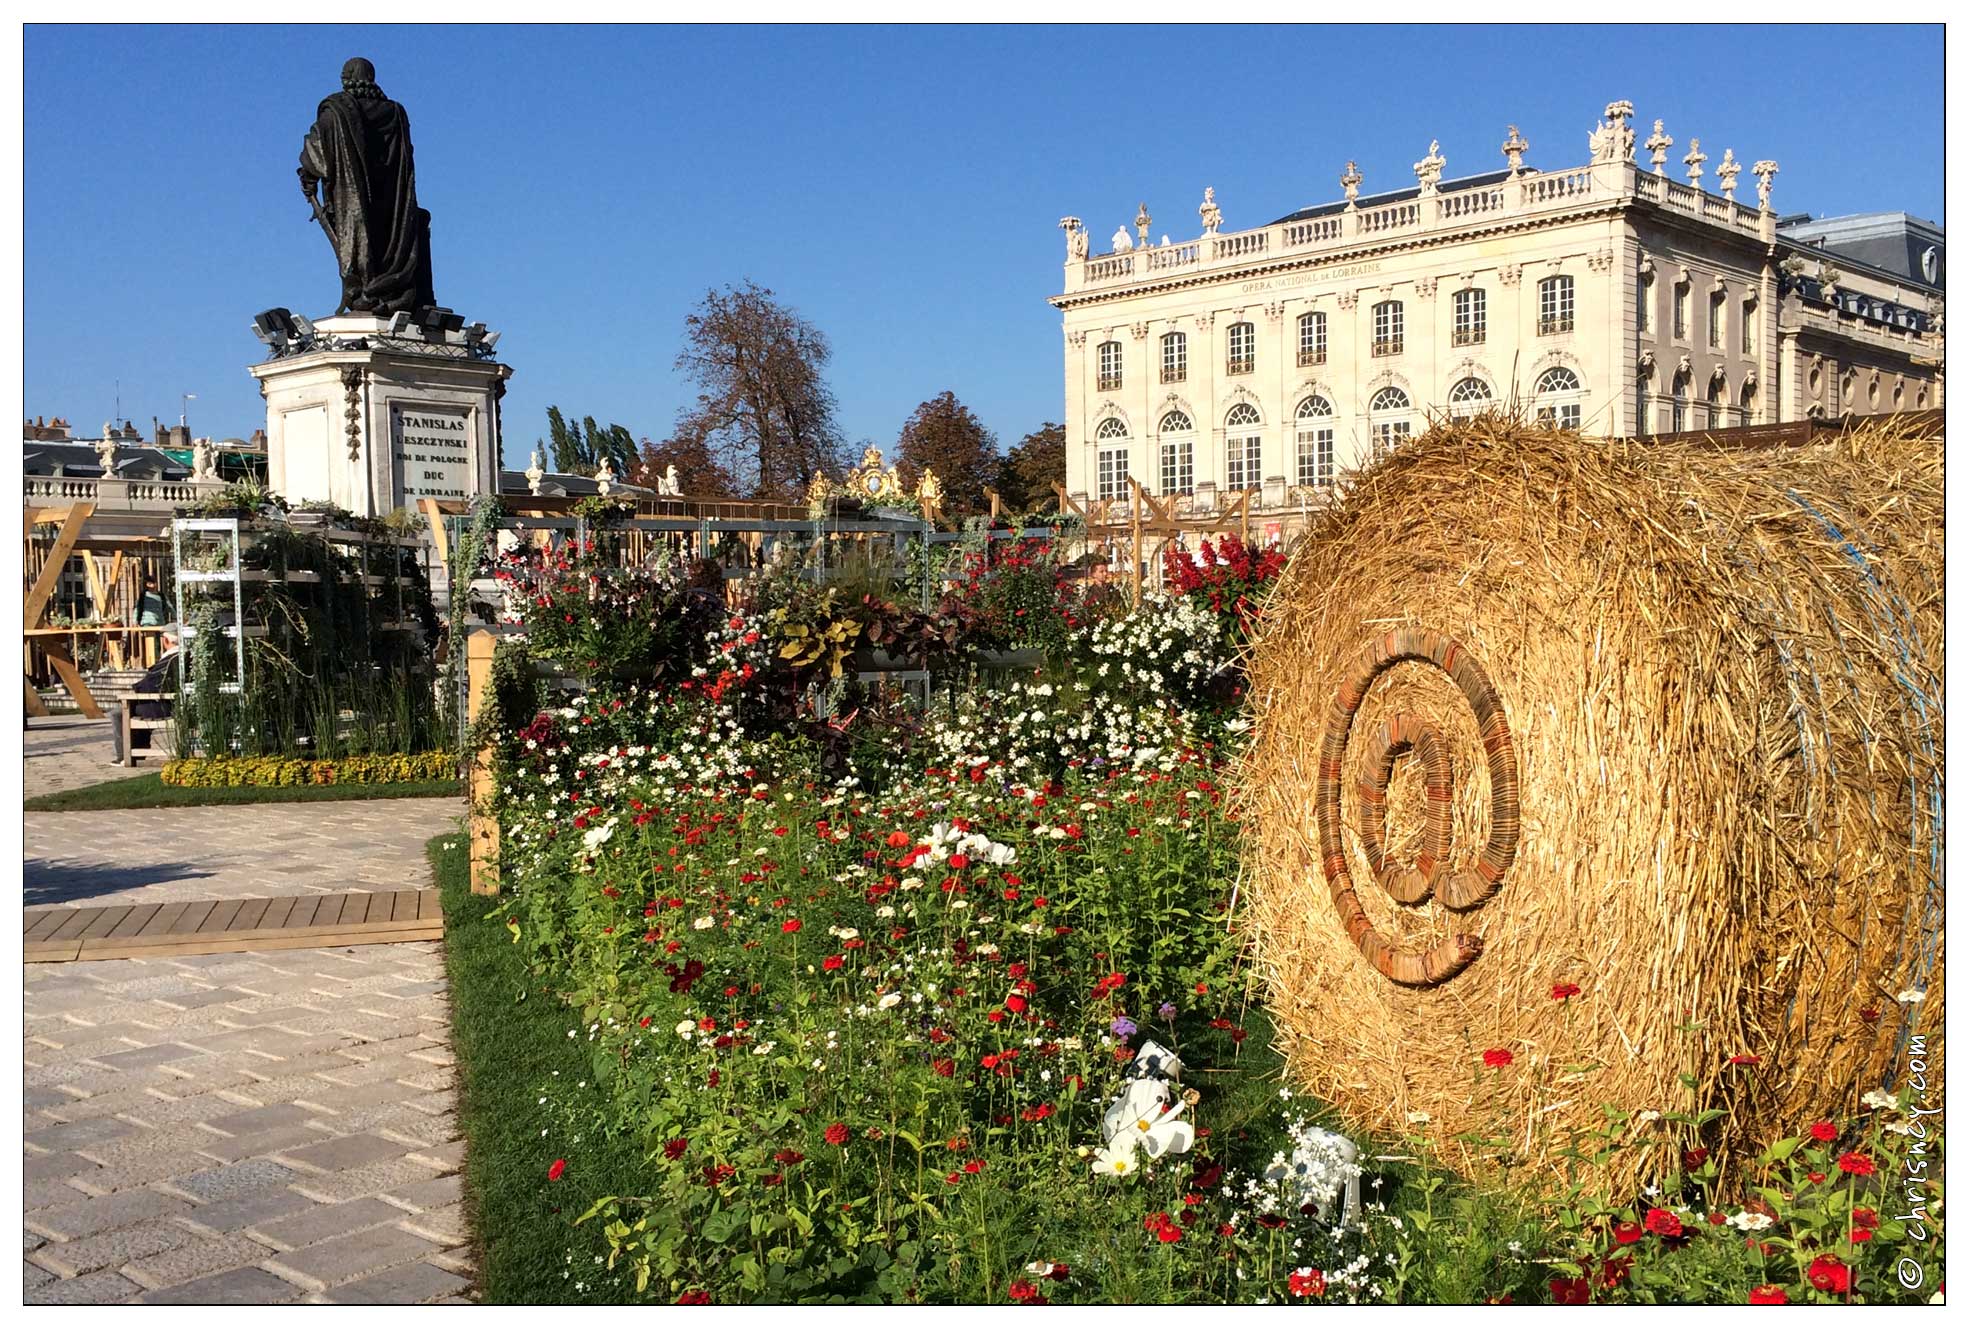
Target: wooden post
479, 646
38, 595
1135, 522
996, 504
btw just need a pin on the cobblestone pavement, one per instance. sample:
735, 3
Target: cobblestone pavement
263, 1128
63, 752
153, 855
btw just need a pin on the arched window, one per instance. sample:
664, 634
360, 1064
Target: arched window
1111, 442
1554, 305
1243, 349
1555, 398
1679, 405
1175, 357
1243, 447
1388, 328
1388, 422
1312, 339
1719, 396
1646, 409
1178, 453
1315, 430
1470, 396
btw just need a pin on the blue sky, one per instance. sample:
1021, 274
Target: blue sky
899, 186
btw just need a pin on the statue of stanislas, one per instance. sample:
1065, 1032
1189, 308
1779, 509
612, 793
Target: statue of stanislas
358, 153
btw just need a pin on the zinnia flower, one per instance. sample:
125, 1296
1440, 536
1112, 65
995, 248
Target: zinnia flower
1495, 1057
1627, 1233
837, 1134
1306, 1283
674, 1149
1856, 1164
1824, 1132
1663, 1224
1829, 1275
1561, 991
1767, 1294
556, 1168
790, 925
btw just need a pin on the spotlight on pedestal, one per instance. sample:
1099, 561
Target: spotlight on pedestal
399, 324
490, 340
276, 328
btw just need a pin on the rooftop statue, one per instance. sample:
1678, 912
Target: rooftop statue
358, 155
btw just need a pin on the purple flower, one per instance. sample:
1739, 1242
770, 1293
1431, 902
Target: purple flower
1123, 1027
1167, 1010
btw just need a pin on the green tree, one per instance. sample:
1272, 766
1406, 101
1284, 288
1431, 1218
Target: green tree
1027, 474
763, 411
943, 435
580, 449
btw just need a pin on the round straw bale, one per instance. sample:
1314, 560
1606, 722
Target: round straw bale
1661, 721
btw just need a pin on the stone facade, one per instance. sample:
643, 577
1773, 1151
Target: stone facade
1606, 296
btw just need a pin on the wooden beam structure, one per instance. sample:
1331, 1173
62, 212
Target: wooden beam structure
35, 607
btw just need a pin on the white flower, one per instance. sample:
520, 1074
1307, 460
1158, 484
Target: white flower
1880, 1098
1745, 1221
685, 1028
889, 999
705, 922
1912, 996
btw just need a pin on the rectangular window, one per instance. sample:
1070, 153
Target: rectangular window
1388, 328
1717, 316
1178, 467
1679, 421
1468, 307
1110, 377
1554, 306
1241, 461
1750, 327
1175, 357
1644, 302
1315, 456
1312, 339
1243, 348
1389, 435
1113, 479
1682, 312
1564, 416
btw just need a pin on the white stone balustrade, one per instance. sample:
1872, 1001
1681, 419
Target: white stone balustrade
117, 495
1451, 210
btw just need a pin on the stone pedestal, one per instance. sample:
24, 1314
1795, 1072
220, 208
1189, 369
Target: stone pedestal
373, 420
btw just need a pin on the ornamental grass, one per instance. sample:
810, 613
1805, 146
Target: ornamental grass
1668, 830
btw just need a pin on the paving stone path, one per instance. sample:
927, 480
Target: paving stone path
258, 1128
166, 855
62, 752
261, 1128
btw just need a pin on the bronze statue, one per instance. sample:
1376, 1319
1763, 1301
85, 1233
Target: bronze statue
359, 154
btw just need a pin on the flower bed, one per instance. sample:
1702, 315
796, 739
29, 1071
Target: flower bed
903, 1038
275, 772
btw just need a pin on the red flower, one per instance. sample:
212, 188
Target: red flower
1571, 1291
1815, 1177
790, 925
1694, 1158
1306, 1283
555, 1169
1744, 1059
833, 962
1627, 1233
1767, 1294
1856, 1164
1495, 1057
837, 1134
1664, 1224
789, 1156
695, 1297
1860, 1235
1560, 991
1021, 1290
1829, 1275
674, 1150
1824, 1132
944, 1066
1866, 1218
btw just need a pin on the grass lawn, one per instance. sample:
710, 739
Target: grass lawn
510, 1035
150, 791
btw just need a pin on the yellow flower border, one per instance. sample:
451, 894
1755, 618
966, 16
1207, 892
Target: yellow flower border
274, 772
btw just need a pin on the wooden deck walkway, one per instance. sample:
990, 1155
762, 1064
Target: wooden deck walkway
215, 927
